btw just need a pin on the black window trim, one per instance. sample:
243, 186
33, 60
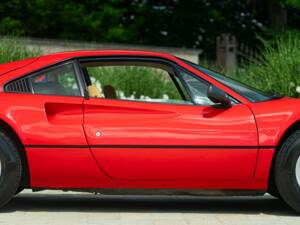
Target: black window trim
158, 60
82, 84
176, 68
184, 83
173, 77
46, 69
180, 68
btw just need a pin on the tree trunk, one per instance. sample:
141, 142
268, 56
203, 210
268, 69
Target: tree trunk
277, 15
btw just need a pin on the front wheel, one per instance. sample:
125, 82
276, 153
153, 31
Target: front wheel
10, 169
287, 171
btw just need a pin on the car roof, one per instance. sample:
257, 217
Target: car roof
53, 58
16, 69
50, 59
11, 66
94, 53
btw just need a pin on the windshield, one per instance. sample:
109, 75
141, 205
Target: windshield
249, 93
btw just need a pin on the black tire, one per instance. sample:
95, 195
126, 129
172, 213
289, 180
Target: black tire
11, 169
19, 190
285, 171
274, 191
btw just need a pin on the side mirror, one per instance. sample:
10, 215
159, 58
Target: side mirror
218, 96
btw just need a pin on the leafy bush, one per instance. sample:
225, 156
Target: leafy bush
279, 69
12, 50
135, 81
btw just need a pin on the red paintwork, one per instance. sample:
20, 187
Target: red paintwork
127, 123
53, 120
61, 168
8, 67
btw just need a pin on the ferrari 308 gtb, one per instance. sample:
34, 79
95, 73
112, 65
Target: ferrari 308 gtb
137, 122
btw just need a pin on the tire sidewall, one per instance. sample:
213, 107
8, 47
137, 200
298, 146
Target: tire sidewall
3, 167
285, 172
10, 170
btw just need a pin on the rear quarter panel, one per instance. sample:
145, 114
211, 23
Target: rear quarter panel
41, 121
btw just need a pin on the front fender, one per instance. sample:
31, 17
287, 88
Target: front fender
274, 118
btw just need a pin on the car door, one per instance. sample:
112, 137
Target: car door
137, 137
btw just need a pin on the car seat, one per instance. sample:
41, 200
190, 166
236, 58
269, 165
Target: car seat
109, 92
94, 92
50, 88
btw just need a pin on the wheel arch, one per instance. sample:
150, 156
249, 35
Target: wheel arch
290, 130
11, 133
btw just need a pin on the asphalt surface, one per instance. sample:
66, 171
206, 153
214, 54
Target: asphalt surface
58, 208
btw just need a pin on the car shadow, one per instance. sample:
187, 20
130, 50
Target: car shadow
40, 202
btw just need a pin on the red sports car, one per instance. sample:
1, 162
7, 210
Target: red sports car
137, 122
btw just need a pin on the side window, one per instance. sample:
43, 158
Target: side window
198, 89
148, 82
60, 80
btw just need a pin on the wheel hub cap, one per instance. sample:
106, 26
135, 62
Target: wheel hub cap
298, 171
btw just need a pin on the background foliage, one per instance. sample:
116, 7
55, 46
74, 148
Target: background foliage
279, 69
193, 23
12, 50
136, 82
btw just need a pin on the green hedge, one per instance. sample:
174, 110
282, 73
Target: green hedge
136, 81
12, 50
279, 69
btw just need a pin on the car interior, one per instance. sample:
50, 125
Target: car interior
109, 91
123, 80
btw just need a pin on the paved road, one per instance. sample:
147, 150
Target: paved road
64, 208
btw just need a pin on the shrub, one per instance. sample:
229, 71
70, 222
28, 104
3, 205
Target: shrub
279, 69
12, 50
135, 81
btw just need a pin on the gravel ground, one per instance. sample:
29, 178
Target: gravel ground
58, 208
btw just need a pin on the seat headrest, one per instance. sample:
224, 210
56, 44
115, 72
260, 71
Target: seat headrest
109, 92
94, 92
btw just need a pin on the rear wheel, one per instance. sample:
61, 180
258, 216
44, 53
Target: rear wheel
10, 169
287, 171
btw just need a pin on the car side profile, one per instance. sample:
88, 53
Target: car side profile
139, 122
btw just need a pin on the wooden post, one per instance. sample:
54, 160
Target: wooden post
226, 51
277, 16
